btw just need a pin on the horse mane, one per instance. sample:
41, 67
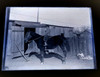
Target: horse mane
35, 34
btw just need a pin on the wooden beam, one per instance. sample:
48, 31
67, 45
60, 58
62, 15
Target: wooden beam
27, 24
17, 30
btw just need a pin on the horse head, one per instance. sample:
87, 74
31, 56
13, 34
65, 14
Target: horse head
27, 37
30, 35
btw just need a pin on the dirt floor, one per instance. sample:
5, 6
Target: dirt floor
72, 62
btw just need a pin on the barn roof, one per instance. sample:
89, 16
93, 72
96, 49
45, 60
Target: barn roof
33, 24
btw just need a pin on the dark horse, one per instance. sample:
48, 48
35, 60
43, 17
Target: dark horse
52, 42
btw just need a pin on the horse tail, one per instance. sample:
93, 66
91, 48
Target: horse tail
66, 44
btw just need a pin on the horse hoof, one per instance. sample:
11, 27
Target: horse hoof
29, 55
42, 62
64, 62
27, 60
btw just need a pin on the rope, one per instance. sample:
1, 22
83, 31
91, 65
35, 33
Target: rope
35, 39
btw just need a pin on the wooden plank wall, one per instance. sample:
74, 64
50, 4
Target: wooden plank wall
15, 36
85, 44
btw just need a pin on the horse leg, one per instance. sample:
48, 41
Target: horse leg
64, 52
25, 47
42, 56
36, 54
33, 53
52, 54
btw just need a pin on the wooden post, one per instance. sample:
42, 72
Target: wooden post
38, 15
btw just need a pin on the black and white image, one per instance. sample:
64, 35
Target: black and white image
48, 38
